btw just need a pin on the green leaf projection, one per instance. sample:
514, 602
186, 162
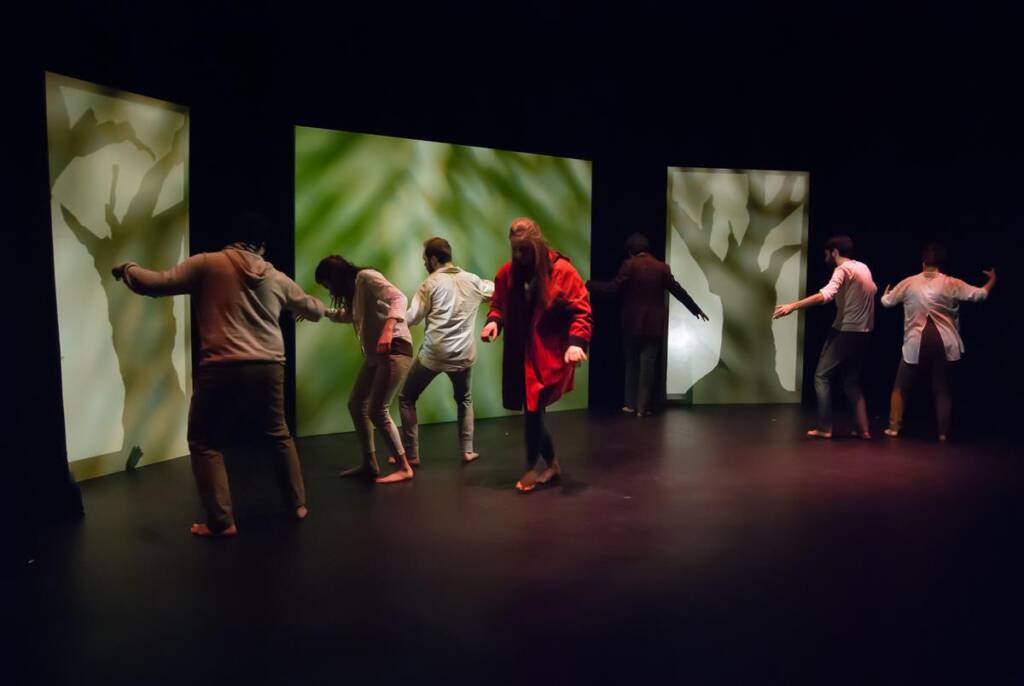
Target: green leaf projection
737, 242
374, 200
119, 192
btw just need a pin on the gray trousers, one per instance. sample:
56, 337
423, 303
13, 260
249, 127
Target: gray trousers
370, 400
417, 381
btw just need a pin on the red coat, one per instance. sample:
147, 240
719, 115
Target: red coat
534, 371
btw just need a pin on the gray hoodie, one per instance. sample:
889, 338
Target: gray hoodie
238, 298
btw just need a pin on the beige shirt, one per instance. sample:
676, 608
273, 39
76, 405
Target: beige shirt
935, 296
375, 301
448, 300
853, 289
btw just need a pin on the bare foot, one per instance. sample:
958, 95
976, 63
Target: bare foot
396, 476
203, 530
626, 409
891, 433
467, 457
866, 435
528, 482
552, 473
817, 433
361, 470
414, 461
301, 512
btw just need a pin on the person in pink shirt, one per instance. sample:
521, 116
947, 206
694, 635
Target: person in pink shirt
853, 290
931, 333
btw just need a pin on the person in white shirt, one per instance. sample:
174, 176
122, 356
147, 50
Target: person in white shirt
931, 333
448, 301
364, 298
853, 290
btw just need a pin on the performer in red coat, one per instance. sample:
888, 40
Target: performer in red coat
542, 305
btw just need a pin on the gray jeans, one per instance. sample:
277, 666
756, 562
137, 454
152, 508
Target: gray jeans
418, 380
370, 399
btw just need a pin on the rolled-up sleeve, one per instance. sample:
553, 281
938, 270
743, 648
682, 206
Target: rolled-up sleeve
835, 283
896, 295
965, 291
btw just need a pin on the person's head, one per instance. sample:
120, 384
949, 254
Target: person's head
836, 247
251, 229
437, 252
338, 276
934, 256
529, 249
531, 261
637, 243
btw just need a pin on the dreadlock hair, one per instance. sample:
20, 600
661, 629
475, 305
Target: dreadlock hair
338, 276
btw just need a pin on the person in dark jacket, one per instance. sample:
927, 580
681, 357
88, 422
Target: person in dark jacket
642, 281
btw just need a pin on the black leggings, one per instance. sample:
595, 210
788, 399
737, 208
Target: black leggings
538, 440
932, 361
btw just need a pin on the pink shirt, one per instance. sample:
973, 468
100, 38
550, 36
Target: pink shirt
853, 289
937, 296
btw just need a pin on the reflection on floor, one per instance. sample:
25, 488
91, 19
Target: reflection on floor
702, 544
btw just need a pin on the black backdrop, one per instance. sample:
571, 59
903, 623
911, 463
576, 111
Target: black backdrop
907, 124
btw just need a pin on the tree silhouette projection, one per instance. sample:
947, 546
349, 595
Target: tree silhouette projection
746, 369
155, 404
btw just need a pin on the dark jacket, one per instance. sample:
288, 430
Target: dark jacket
642, 281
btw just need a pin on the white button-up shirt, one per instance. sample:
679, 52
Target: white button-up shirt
934, 295
449, 299
853, 289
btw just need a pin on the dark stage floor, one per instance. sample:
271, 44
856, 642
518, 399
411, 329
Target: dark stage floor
707, 544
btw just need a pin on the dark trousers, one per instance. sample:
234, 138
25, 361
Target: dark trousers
538, 439
842, 357
641, 360
234, 404
932, 361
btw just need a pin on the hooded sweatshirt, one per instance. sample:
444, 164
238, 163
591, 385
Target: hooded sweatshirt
238, 298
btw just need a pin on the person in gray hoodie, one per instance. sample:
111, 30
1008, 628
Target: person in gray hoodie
238, 390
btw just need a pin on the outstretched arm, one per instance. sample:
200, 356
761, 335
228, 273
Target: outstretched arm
613, 286
825, 295
178, 280
296, 300
680, 294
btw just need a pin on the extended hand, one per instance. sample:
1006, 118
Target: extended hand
990, 273
783, 311
888, 287
489, 333
574, 355
700, 314
118, 272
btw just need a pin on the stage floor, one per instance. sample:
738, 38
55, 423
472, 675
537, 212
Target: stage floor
704, 544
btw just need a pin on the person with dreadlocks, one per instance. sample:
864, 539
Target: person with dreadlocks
542, 306
363, 297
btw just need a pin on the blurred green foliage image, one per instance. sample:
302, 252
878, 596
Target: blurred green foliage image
374, 200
